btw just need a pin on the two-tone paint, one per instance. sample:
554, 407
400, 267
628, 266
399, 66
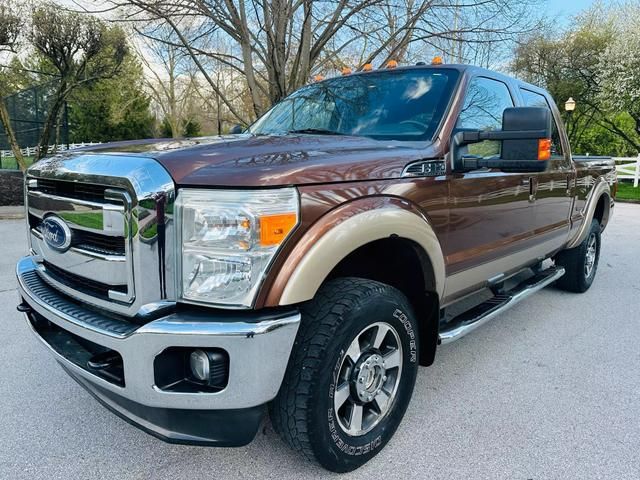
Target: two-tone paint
474, 228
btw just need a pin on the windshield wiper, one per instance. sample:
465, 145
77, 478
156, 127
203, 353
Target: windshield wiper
316, 131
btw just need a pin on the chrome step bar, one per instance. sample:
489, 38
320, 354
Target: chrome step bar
468, 321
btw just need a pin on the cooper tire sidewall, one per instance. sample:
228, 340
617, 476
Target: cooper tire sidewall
345, 452
594, 230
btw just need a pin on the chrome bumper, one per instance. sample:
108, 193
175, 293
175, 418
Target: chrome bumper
258, 349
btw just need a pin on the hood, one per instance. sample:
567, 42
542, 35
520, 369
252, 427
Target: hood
244, 160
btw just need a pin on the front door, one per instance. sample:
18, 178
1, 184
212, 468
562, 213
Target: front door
491, 212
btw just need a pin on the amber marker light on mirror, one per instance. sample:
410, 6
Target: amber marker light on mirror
544, 149
275, 228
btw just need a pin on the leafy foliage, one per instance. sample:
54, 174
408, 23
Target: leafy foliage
619, 73
112, 109
576, 64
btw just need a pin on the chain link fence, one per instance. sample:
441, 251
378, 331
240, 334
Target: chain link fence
28, 111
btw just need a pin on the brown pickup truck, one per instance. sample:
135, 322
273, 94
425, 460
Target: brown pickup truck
311, 263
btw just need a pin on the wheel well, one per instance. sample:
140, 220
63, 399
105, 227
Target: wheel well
404, 265
602, 211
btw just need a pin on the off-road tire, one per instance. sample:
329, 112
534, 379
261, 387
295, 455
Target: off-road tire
578, 278
303, 412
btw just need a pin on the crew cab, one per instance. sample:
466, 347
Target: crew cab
310, 264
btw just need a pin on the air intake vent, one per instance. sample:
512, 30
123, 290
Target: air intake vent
427, 168
415, 169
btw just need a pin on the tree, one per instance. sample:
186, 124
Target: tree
170, 81
569, 64
11, 25
112, 109
279, 44
81, 50
619, 69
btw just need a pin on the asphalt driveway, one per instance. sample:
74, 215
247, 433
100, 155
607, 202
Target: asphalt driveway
549, 390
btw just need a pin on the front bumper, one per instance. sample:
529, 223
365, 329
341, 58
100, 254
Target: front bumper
258, 348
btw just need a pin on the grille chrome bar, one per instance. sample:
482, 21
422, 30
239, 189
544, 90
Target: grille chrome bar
107, 269
106, 219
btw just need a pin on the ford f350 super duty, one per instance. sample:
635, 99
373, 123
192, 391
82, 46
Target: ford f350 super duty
308, 265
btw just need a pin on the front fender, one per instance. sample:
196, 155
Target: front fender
344, 230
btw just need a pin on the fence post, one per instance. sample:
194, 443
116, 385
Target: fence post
636, 177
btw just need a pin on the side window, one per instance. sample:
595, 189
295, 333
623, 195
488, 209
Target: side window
484, 103
533, 99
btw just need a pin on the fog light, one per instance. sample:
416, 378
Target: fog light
199, 361
210, 367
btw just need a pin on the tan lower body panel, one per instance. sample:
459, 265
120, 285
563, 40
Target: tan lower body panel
462, 283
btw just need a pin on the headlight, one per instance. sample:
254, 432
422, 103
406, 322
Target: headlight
228, 239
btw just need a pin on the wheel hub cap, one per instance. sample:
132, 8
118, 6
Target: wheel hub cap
368, 379
590, 257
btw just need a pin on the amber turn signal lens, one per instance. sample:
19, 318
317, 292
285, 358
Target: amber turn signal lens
544, 149
275, 228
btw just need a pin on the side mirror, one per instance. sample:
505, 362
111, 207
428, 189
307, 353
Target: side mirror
525, 137
236, 129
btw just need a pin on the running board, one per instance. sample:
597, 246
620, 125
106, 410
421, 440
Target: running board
470, 320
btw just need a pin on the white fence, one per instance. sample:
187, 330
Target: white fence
31, 151
628, 168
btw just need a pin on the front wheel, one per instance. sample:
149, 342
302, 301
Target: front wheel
351, 373
581, 263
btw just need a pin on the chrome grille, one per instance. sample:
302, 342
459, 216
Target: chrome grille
112, 208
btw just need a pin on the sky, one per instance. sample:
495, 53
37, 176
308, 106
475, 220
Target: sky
566, 9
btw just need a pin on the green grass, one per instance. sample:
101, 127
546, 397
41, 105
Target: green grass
627, 192
11, 164
88, 219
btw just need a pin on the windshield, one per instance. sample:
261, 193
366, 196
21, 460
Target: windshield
392, 105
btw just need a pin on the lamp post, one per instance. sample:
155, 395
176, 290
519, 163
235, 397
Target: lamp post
570, 105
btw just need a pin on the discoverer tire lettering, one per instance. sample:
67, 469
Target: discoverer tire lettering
303, 413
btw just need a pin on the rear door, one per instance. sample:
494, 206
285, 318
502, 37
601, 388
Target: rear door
491, 215
554, 191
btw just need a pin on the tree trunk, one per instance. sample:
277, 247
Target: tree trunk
50, 122
15, 148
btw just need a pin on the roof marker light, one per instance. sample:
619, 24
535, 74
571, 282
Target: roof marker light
437, 60
318, 78
367, 67
346, 71
392, 64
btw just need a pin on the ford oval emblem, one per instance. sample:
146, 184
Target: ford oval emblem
56, 233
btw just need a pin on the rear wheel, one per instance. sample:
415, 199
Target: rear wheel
581, 262
351, 373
